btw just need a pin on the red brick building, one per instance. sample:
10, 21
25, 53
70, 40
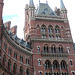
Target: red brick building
47, 48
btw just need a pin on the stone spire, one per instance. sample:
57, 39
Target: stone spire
31, 3
62, 4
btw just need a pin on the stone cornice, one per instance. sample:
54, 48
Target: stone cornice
61, 40
16, 45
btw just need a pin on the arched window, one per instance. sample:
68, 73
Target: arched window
46, 73
5, 46
40, 73
53, 49
55, 64
21, 58
51, 36
21, 70
10, 51
15, 55
14, 68
9, 64
72, 73
63, 65
47, 64
46, 48
57, 36
50, 29
27, 72
4, 60
60, 49
39, 62
43, 28
49, 73
38, 48
27, 61
71, 62
57, 30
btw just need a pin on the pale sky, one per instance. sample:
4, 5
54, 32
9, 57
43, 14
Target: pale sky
14, 11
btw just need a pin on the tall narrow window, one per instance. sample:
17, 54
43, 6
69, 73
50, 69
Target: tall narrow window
15, 55
9, 51
5, 46
27, 61
21, 70
38, 49
71, 62
72, 73
39, 62
40, 73
68, 50
14, 68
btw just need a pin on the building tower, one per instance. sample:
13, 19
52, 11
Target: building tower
50, 36
29, 30
1, 9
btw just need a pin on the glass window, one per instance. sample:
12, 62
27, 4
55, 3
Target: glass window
40, 73
72, 73
71, 62
39, 62
38, 49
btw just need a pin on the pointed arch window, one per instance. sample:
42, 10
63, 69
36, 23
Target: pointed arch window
27, 72
55, 64
60, 49
47, 64
43, 28
50, 29
40, 73
15, 55
63, 65
5, 46
46, 48
4, 60
9, 64
71, 62
21, 70
53, 49
14, 68
57, 30
72, 73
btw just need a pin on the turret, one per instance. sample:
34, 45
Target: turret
63, 11
29, 21
31, 9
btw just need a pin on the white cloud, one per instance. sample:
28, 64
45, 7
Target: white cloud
17, 7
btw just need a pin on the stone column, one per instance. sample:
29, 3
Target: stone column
60, 69
52, 70
68, 69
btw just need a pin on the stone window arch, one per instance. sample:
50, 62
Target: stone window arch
63, 64
50, 29
43, 28
21, 70
46, 48
53, 49
55, 64
57, 29
5, 46
9, 64
27, 71
14, 68
60, 48
47, 64
4, 60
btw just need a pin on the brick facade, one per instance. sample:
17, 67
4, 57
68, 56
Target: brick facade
47, 48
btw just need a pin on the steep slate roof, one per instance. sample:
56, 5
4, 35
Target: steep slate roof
62, 4
44, 9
